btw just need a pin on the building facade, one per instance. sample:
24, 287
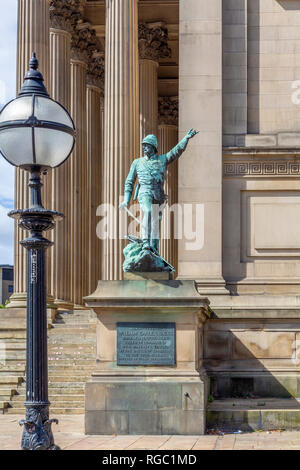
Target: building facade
127, 68
6, 282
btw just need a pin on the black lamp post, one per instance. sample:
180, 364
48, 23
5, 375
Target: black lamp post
36, 134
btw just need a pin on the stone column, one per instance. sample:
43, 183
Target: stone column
60, 78
78, 166
200, 168
33, 36
121, 141
168, 138
153, 45
95, 84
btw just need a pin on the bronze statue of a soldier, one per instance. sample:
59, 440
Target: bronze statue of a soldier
150, 171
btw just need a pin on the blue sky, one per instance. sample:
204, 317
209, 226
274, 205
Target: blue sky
8, 15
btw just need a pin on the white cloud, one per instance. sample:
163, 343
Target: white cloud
6, 183
6, 237
8, 14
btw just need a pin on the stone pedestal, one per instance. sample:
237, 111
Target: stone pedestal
148, 399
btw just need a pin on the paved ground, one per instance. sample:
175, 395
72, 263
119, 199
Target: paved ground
69, 435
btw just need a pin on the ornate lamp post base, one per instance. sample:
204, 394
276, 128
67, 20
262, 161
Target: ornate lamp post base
37, 434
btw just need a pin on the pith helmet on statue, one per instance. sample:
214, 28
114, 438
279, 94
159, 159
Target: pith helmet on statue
152, 140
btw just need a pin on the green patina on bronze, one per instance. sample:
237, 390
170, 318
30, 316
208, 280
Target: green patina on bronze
142, 255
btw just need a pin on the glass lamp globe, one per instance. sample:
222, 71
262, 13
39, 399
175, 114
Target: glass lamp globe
35, 131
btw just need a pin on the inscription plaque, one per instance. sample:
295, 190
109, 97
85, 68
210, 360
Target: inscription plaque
144, 344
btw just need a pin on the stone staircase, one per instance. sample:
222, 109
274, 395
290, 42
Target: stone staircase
71, 360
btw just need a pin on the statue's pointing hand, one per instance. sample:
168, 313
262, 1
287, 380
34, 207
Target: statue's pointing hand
191, 133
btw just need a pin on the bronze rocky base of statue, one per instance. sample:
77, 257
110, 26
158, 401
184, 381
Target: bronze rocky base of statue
138, 259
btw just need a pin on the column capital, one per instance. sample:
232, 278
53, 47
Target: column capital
61, 12
96, 70
168, 110
153, 41
84, 41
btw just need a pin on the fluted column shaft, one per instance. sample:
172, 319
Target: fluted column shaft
121, 141
78, 163
60, 265
148, 97
33, 35
94, 154
168, 138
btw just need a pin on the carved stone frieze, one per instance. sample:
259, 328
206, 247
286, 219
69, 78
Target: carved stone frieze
168, 110
153, 41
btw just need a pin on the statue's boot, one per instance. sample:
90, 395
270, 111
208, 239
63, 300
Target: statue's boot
155, 244
146, 245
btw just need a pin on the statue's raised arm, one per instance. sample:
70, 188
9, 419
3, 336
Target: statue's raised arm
178, 150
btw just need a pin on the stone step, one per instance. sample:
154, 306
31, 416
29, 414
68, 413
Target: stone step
12, 334
62, 339
56, 401
73, 319
53, 347
9, 379
12, 371
259, 414
71, 363
71, 357
71, 353
6, 354
15, 345
5, 396
58, 332
13, 363
63, 384
74, 325
68, 371
63, 379
53, 411
7, 389
75, 313
61, 369
15, 324
55, 391
78, 398
70, 377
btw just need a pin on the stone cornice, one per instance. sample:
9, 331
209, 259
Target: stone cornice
168, 110
153, 41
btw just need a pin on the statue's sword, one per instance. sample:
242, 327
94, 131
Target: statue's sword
133, 239
132, 215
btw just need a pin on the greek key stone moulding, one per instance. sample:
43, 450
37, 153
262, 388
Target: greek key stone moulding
168, 110
153, 41
262, 168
